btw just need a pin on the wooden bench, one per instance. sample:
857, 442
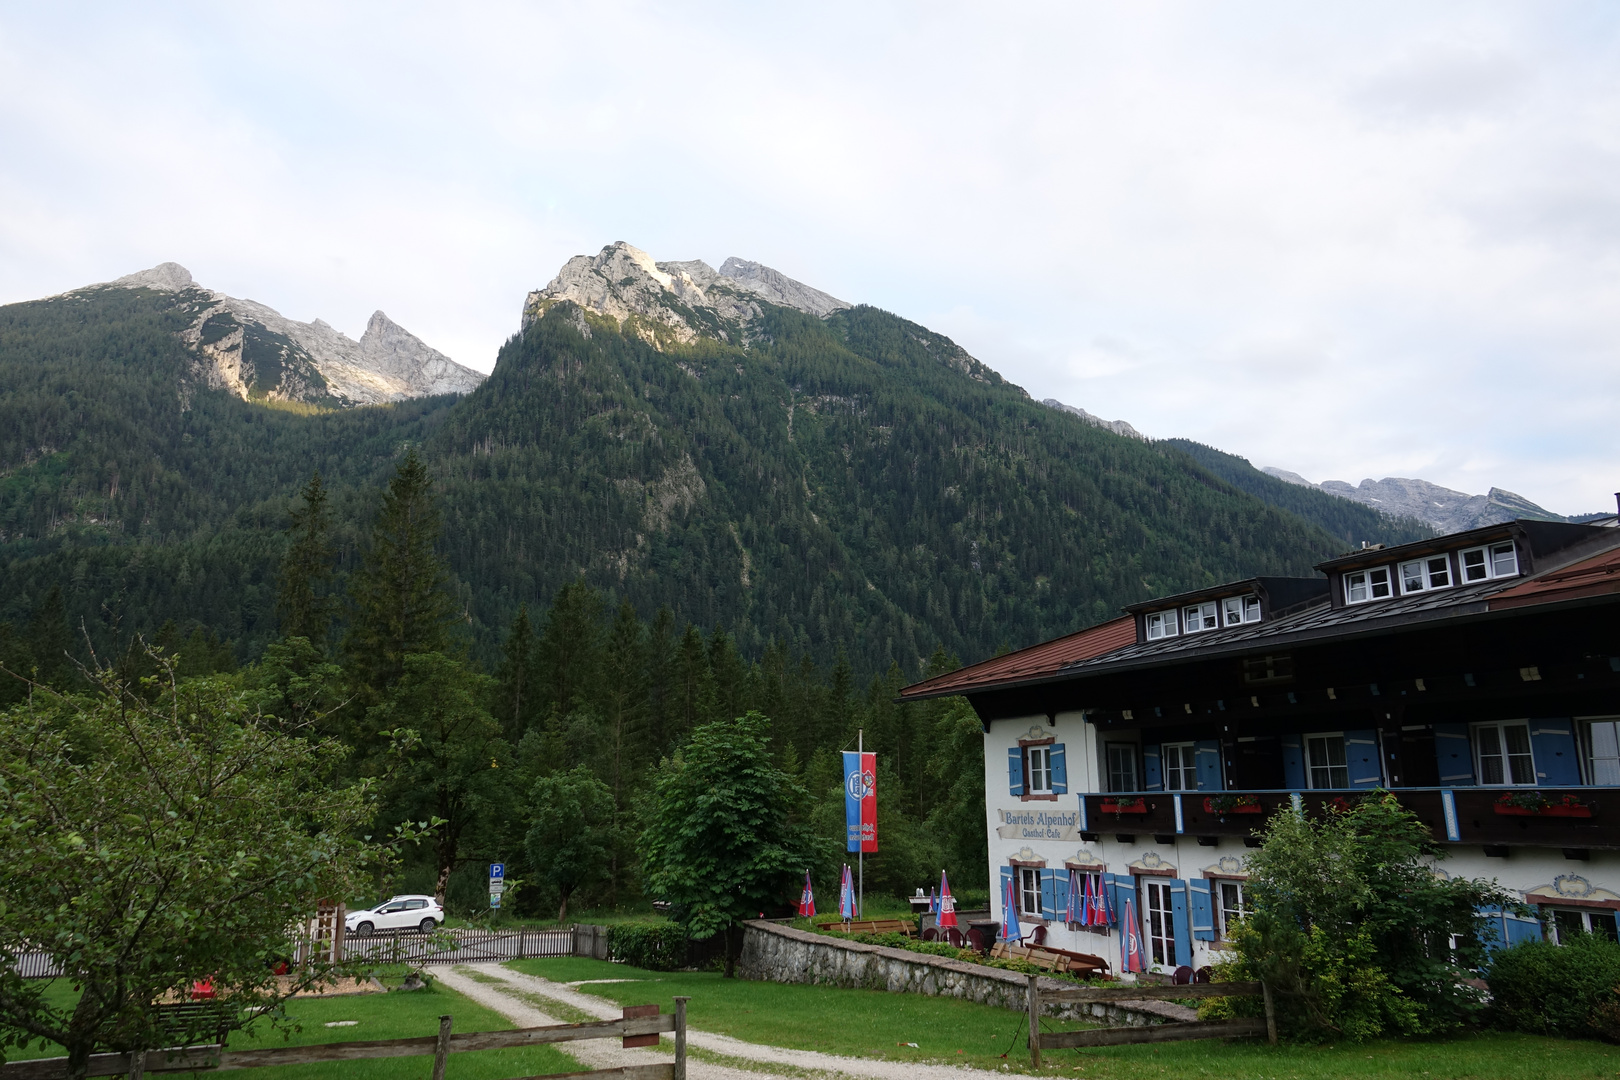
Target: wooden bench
192, 1023
876, 926
1047, 958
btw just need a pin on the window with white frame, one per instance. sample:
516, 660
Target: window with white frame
1325, 761
1040, 770
1231, 905
1161, 624
1504, 753
1602, 752
1240, 609
1029, 891
1420, 575
1491, 561
1121, 758
1180, 769
1198, 617
1566, 923
1361, 586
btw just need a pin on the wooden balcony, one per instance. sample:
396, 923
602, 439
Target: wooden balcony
1479, 818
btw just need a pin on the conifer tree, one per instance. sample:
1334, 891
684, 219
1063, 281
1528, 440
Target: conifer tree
514, 693
570, 648
303, 602
51, 640
401, 604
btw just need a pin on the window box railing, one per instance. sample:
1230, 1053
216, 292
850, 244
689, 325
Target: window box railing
1233, 804
1124, 804
1536, 804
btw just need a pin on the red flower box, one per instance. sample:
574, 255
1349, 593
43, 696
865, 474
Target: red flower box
1113, 806
1241, 808
1554, 810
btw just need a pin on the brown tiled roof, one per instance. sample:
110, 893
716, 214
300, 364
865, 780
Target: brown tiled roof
1596, 576
1046, 658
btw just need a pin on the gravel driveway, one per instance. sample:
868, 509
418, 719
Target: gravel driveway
523, 999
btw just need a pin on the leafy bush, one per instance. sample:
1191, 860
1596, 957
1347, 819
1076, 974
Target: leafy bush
1568, 990
653, 946
1351, 927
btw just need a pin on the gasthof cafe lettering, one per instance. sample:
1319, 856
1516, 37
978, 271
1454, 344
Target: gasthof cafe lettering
1476, 676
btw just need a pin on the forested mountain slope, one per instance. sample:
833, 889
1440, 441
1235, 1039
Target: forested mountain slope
852, 482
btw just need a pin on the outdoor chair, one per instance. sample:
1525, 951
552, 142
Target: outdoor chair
930, 934
954, 936
1037, 936
1182, 975
1202, 975
975, 941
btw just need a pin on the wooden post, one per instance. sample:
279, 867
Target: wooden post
1034, 1022
137, 1065
441, 1053
1271, 1014
680, 1037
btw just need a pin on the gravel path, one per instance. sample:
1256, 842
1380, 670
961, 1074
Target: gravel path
523, 999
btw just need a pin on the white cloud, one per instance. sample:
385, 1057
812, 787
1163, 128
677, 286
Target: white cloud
1356, 241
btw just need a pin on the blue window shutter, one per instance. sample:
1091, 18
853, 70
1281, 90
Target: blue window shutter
1361, 755
1293, 761
1521, 929
1150, 766
1454, 754
1178, 922
1060, 892
1049, 893
1007, 878
1124, 889
1207, 755
1015, 771
1202, 906
1060, 770
1552, 744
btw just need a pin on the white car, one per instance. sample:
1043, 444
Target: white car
397, 913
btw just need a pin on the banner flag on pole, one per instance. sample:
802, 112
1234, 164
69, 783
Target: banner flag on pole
807, 899
846, 896
1074, 907
860, 801
1132, 943
1010, 930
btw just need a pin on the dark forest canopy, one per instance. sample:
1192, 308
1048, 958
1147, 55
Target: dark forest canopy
847, 483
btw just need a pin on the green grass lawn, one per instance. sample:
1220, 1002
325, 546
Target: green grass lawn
382, 1016
867, 1023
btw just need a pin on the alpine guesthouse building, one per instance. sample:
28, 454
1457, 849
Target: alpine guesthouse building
1476, 676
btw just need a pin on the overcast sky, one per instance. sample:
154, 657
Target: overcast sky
1352, 240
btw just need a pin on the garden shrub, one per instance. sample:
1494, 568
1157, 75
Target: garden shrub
653, 946
1568, 990
1351, 926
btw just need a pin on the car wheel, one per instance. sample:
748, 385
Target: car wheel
364, 929
427, 926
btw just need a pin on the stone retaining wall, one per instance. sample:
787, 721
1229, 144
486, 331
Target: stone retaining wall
774, 953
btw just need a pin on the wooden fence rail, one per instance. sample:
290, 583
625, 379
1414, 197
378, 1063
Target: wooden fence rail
1117, 1036
217, 1059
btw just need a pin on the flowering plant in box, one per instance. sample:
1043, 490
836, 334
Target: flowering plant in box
1232, 804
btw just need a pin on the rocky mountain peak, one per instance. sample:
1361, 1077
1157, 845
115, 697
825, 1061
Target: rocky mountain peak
1118, 427
1441, 507
256, 353
678, 301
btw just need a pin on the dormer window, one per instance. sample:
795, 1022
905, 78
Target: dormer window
1492, 561
1161, 624
1199, 617
1420, 575
1236, 610
1361, 586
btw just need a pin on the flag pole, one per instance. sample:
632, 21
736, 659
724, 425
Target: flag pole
860, 853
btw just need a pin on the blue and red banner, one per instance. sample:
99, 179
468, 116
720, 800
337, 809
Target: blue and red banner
860, 801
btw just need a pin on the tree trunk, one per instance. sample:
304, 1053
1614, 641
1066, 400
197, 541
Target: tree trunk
730, 955
442, 884
562, 910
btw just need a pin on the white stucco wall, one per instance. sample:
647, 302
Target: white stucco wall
1524, 870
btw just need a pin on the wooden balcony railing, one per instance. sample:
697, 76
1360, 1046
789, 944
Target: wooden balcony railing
1569, 817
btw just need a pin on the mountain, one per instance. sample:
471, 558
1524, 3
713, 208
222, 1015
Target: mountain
1442, 508
1354, 523
675, 302
257, 354
833, 477
1118, 427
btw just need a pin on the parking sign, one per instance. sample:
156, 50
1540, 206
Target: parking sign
497, 871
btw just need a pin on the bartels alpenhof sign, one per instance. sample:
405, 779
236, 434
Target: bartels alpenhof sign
1038, 825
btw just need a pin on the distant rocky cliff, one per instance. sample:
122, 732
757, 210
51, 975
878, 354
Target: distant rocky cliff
1118, 427
256, 353
1447, 510
664, 302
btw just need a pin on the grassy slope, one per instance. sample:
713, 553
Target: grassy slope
865, 1023
380, 1016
